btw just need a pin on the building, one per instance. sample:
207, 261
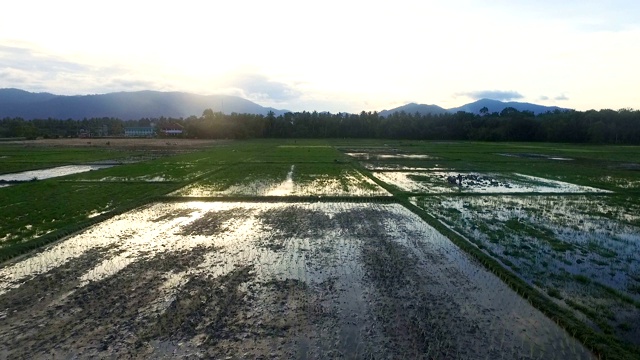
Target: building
172, 130
140, 131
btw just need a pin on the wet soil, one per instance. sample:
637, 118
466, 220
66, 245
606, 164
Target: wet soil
98, 320
271, 280
213, 222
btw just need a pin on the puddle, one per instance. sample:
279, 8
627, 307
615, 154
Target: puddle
306, 146
400, 167
147, 178
51, 173
285, 188
95, 213
305, 280
537, 156
448, 182
395, 156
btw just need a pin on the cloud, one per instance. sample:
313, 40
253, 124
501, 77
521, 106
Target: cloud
30, 69
11, 75
28, 59
14, 51
258, 87
561, 97
33, 69
493, 94
127, 83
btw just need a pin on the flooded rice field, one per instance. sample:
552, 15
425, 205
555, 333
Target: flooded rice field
348, 182
158, 173
389, 156
621, 183
266, 280
42, 174
581, 250
389, 166
537, 156
481, 183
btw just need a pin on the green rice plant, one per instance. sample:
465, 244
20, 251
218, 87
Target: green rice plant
14, 158
38, 212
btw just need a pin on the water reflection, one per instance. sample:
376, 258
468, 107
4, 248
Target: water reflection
51, 173
285, 188
347, 183
448, 182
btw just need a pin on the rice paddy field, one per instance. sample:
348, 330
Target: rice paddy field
314, 249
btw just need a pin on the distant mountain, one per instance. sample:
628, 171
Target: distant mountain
413, 108
474, 107
121, 105
498, 106
16, 96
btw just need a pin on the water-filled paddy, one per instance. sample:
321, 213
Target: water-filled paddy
286, 180
304, 280
438, 182
155, 172
578, 249
537, 156
389, 156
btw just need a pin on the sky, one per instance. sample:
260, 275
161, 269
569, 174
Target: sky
338, 56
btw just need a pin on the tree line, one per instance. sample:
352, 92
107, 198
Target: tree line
604, 126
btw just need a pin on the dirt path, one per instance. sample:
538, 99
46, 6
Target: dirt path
267, 280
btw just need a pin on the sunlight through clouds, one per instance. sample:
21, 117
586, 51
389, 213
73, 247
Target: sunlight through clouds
330, 55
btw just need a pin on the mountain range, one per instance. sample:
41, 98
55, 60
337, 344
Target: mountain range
122, 105
154, 104
474, 107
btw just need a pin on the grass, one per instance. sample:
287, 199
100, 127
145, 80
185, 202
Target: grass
36, 213
15, 158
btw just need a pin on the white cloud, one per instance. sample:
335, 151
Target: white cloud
493, 94
258, 87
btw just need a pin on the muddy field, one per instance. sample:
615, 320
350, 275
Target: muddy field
266, 280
